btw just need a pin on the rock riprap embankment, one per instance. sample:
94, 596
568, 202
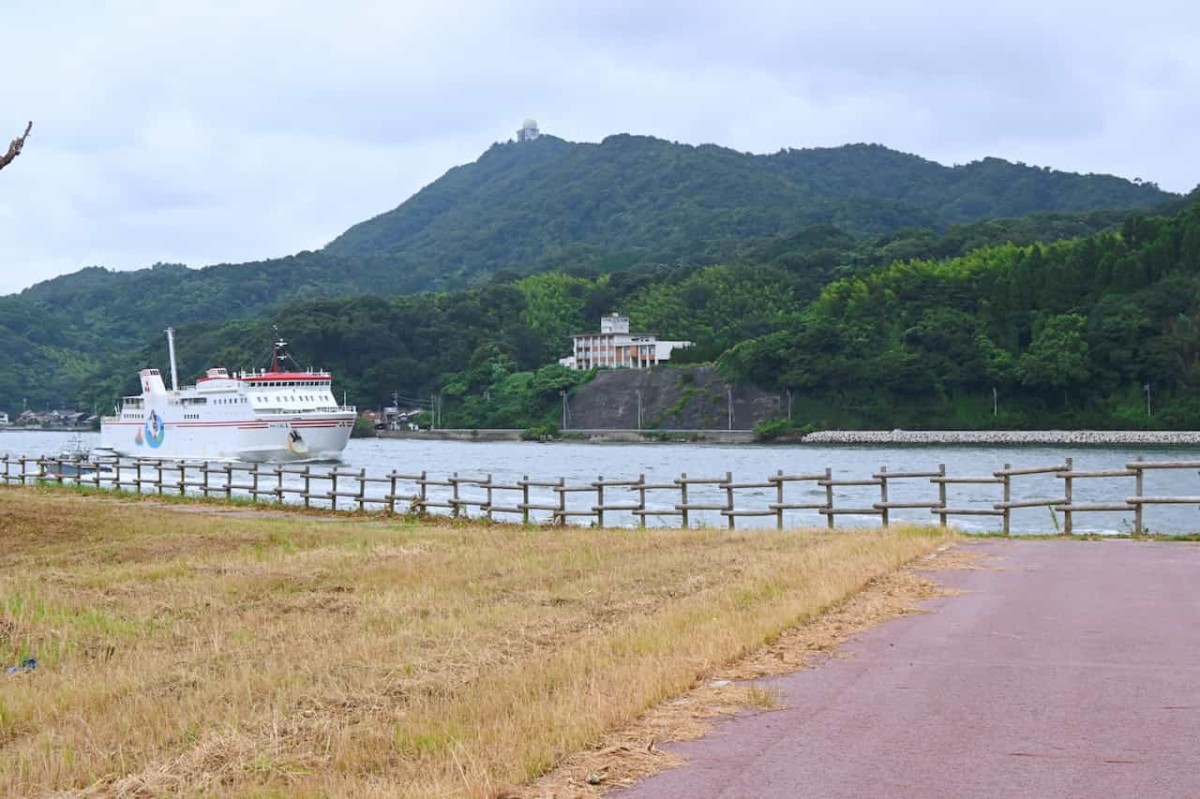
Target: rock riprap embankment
1007, 437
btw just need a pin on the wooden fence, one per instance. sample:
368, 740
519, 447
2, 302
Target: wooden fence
599, 501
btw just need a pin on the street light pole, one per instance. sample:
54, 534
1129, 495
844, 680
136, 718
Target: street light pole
563, 393
729, 400
639, 409
1146, 388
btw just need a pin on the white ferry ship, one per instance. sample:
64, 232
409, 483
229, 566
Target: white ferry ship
269, 415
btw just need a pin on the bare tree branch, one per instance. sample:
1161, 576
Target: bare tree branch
14, 149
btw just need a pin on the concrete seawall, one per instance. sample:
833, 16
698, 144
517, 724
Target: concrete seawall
596, 436
1099, 438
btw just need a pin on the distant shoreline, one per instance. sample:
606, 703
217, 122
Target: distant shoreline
1100, 438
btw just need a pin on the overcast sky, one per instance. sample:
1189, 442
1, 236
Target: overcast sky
222, 132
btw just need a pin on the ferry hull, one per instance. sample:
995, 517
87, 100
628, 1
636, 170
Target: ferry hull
306, 438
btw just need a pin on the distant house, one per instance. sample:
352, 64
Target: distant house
4, 418
62, 418
616, 348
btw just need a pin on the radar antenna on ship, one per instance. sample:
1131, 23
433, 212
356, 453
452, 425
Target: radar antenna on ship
279, 354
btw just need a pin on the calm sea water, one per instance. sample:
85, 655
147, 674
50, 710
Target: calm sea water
579, 463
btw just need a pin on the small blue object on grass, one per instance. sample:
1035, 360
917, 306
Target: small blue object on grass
28, 664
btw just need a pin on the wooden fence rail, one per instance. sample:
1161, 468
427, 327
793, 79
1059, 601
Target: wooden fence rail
601, 502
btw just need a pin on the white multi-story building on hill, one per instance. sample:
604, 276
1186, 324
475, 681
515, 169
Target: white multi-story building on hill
616, 348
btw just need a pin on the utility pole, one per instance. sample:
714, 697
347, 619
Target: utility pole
729, 402
1146, 388
789, 396
435, 411
995, 406
639, 409
565, 412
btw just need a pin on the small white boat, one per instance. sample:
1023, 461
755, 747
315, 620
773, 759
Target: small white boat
278, 414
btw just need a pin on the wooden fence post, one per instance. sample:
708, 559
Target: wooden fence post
683, 499
560, 517
883, 496
525, 499
829, 495
641, 507
779, 499
1067, 491
1138, 486
1007, 517
600, 501
942, 490
729, 499
488, 486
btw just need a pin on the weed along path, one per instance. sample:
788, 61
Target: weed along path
1056, 669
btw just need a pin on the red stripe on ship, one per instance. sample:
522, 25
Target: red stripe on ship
217, 424
244, 425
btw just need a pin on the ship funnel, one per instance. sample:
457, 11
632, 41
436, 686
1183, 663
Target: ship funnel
152, 382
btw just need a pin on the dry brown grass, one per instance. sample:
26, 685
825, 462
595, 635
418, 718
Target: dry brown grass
629, 754
215, 654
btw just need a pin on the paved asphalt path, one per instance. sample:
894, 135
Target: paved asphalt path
1066, 669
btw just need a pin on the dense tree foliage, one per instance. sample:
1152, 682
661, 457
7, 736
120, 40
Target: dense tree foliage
1073, 333
1067, 333
62, 333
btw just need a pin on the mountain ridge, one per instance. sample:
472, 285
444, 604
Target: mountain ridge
521, 202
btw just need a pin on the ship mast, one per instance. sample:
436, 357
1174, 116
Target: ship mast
171, 352
278, 354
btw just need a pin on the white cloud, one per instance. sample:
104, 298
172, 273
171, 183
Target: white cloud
227, 132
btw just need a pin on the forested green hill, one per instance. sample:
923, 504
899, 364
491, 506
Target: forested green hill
630, 200
702, 243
